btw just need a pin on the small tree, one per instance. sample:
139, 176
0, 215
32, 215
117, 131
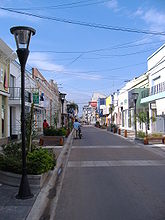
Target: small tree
30, 128
143, 118
111, 110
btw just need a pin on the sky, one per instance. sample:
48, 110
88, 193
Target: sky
87, 46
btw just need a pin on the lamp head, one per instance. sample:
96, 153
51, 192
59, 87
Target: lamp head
22, 36
135, 95
62, 96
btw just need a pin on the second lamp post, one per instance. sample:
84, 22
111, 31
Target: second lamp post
62, 97
135, 97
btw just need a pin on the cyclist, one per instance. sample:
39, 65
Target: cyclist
76, 126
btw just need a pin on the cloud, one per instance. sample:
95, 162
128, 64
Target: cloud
155, 19
41, 61
139, 12
113, 4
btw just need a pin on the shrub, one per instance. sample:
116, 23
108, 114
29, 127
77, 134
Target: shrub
13, 150
51, 131
141, 134
40, 161
10, 164
156, 135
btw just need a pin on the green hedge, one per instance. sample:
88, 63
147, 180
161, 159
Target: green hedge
51, 131
38, 161
141, 134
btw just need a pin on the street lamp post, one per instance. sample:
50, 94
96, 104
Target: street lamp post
62, 97
135, 97
22, 37
111, 105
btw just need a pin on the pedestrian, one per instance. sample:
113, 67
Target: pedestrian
45, 125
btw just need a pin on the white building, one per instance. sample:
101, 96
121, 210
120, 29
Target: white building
14, 116
126, 102
156, 96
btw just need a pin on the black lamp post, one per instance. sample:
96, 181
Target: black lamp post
22, 37
62, 97
111, 106
135, 97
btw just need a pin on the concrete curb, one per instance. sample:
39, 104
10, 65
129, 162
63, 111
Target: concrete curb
42, 198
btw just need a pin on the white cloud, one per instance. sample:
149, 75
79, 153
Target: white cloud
113, 4
41, 61
139, 12
155, 19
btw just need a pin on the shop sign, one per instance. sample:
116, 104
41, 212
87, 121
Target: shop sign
36, 97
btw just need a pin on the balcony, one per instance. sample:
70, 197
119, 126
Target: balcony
15, 95
157, 88
156, 92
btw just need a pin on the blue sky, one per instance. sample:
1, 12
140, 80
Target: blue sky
87, 59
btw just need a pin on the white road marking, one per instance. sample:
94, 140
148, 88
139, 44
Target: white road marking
110, 146
112, 163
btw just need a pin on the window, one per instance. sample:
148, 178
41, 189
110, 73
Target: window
1, 74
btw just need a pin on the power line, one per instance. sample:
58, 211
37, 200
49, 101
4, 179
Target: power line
86, 24
119, 46
126, 54
94, 71
63, 6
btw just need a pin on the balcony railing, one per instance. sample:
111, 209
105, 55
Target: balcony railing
157, 88
15, 94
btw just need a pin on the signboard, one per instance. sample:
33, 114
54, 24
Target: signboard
36, 97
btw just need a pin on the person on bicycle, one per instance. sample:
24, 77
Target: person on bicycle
76, 126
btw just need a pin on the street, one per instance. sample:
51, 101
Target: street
109, 178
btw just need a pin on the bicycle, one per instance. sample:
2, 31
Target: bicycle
78, 133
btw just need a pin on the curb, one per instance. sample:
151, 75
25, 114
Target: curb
42, 198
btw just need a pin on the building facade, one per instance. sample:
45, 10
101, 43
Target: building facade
6, 55
155, 98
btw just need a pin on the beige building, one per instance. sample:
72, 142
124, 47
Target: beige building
49, 106
6, 55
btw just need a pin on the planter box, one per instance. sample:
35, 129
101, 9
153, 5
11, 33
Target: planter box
51, 140
13, 179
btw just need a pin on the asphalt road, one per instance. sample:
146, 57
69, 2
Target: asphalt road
109, 178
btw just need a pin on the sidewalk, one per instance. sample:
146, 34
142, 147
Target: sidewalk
12, 208
16, 209
140, 142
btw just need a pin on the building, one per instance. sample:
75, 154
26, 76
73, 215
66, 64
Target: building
87, 113
108, 111
101, 110
14, 125
6, 55
155, 98
49, 106
126, 104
